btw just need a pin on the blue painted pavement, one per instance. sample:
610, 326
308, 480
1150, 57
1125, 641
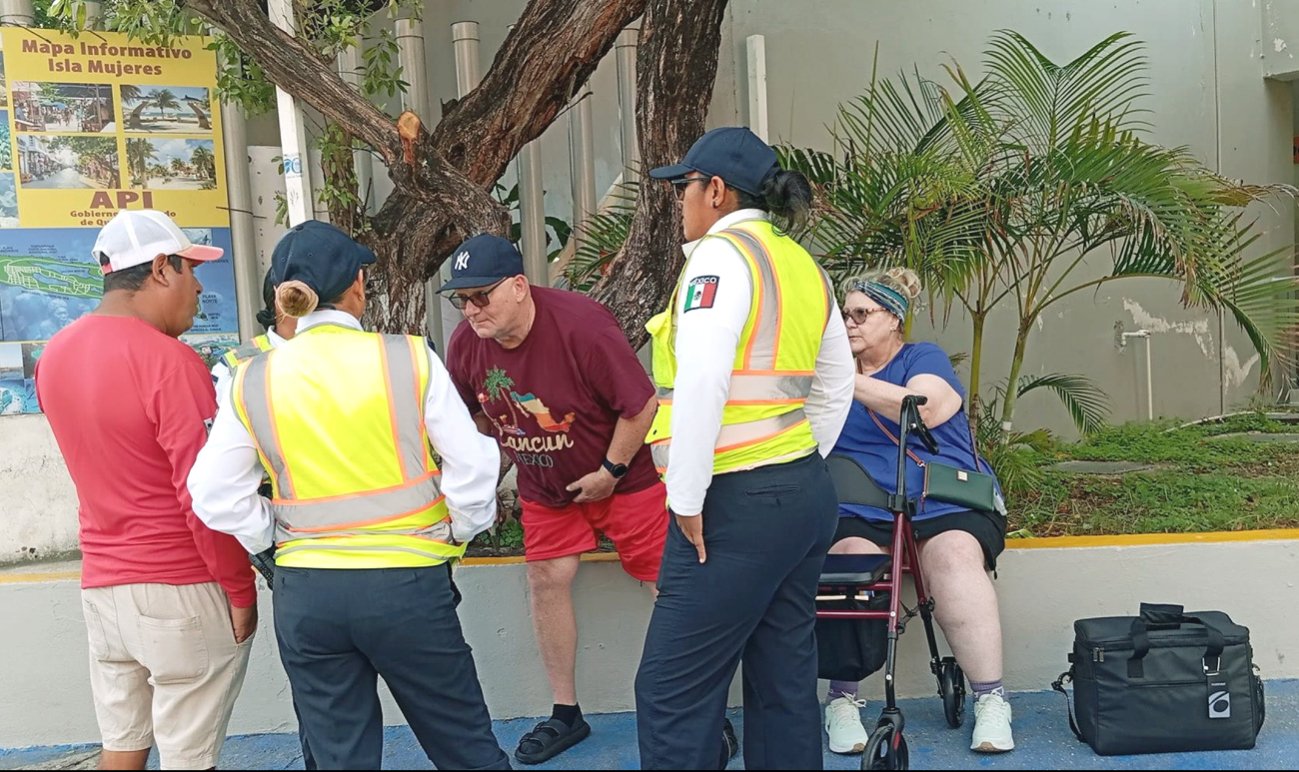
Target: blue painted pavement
1042, 738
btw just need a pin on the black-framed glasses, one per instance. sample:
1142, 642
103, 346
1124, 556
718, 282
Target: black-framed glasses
481, 298
681, 183
860, 315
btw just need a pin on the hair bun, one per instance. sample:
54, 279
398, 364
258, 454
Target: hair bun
296, 299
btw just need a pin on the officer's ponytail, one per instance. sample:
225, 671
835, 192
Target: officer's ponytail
296, 299
786, 196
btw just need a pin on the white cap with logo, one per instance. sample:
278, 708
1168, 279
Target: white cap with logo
136, 236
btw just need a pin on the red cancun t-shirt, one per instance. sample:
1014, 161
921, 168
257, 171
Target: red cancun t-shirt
555, 399
130, 408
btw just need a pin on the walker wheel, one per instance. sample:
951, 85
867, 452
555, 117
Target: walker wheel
951, 687
886, 749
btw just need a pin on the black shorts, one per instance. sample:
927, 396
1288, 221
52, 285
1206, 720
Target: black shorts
987, 528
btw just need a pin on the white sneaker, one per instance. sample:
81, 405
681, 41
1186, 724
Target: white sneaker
992, 725
843, 724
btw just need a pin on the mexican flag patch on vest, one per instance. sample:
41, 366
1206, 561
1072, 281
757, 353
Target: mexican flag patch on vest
701, 292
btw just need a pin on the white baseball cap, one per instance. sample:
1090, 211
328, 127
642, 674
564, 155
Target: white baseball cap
136, 236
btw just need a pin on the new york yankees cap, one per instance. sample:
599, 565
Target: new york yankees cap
482, 260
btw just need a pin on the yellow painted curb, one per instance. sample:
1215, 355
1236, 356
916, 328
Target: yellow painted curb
1139, 539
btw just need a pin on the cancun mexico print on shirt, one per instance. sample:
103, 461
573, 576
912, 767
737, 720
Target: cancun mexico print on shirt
523, 421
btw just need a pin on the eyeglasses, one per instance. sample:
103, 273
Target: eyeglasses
480, 299
860, 315
682, 182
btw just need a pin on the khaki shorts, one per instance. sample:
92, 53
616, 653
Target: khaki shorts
164, 666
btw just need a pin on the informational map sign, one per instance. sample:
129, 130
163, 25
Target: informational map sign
90, 126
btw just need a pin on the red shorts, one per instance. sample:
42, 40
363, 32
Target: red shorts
637, 523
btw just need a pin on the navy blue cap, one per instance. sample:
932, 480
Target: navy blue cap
731, 152
321, 256
482, 260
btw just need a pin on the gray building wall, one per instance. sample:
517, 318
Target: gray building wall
1208, 90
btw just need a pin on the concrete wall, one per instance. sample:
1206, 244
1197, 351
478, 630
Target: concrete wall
1042, 591
1207, 91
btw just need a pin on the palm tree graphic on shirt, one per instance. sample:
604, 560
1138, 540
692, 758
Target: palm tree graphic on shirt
497, 385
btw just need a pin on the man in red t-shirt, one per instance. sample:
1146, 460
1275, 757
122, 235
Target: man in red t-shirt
551, 376
170, 605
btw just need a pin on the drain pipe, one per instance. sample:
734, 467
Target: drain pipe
1150, 394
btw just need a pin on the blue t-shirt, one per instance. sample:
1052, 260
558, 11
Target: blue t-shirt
878, 454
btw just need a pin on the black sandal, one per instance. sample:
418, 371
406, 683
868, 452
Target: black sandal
550, 738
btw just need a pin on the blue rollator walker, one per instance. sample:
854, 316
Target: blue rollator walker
856, 576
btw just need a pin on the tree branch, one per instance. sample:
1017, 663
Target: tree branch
675, 69
552, 50
297, 68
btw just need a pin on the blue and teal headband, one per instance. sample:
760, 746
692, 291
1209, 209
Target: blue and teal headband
895, 302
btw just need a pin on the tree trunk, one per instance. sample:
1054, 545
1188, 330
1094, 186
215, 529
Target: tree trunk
976, 367
1012, 386
443, 197
676, 65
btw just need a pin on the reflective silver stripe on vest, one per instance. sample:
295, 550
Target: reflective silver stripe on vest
297, 518
254, 393
733, 435
234, 357
440, 531
762, 350
747, 387
407, 406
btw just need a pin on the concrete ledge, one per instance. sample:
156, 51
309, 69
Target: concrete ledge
1044, 585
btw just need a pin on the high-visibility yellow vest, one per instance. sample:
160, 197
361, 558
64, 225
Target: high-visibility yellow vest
763, 421
240, 354
338, 419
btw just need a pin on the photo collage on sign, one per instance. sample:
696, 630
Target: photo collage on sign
73, 152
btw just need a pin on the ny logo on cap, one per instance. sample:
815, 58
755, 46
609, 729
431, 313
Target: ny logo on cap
462, 261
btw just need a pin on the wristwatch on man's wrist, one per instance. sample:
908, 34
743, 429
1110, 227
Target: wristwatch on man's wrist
617, 470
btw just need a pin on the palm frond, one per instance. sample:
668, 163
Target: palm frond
1087, 403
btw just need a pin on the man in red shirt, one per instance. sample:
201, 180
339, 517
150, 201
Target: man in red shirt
551, 376
170, 605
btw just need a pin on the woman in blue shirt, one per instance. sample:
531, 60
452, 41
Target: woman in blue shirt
957, 546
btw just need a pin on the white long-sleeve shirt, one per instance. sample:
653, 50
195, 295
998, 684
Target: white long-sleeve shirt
706, 340
227, 473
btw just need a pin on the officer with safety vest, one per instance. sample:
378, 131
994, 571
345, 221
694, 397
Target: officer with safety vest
365, 522
755, 380
278, 327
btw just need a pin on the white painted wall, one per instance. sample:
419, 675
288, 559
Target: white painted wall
38, 505
46, 699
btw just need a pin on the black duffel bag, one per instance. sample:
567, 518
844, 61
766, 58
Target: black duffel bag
1163, 682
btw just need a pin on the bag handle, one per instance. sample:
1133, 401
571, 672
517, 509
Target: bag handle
1141, 640
895, 440
1058, 685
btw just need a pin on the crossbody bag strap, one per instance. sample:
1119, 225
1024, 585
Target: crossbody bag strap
889, 434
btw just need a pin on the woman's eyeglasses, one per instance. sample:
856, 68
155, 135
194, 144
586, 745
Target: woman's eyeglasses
860, 315
681, 183
481, 298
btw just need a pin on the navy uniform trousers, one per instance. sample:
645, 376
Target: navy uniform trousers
340, 629
766, 531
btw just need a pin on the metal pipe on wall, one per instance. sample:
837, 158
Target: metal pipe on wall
625, 59
349, 69
756, 46
464, 41
532, 212
248, 273
410, 55
17, 13
532, 215
581, 150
